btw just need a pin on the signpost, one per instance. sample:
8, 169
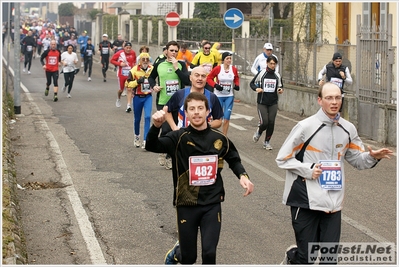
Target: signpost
172, 19
233, 18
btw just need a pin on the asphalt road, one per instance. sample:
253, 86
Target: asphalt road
99, 200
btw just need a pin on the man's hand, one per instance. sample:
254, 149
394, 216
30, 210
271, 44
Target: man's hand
140, 80
380, 153
236, 87
246, 184
157, 88
317, 171
158, 118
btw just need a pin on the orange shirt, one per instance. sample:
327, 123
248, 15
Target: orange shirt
186, 57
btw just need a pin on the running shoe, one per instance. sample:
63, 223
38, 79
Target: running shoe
267, 145
89, 79
64, 88
256, 136
69, 96
143, 145
128, 109
118, 103
137, 141
289, 253
29, 72
170, 257
124, 92
168, 162
55, 99
161, 159
24, 70
105, 80
46, 92
82, 65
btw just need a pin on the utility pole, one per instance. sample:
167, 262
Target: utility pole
17, 68
271, 19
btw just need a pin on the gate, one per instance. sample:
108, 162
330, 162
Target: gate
375, 59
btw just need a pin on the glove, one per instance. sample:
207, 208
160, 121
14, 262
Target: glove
218, 87
140, 80
236, 87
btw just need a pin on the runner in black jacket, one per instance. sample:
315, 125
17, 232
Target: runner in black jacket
198, 153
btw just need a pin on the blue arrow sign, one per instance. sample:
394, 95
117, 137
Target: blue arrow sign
233, 18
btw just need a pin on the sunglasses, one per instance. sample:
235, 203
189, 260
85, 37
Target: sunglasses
174, 50
145, 59
207, 48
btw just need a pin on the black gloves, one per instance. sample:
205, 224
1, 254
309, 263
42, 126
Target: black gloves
218, 87
140, 80
236, 87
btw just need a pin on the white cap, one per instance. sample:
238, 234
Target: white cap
268, 46
105, 35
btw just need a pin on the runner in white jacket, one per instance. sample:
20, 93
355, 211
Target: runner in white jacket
315, 181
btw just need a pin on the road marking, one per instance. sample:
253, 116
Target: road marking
241, 116
237, 126
93, 247
261, 168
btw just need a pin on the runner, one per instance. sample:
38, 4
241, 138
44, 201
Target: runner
142, 97
69, 59
125, 60
50, 60
28, 44
173, 76
88, 52
105, 50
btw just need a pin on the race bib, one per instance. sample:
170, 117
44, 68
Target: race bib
337, 81
29, 48
89, 52
105, 50
331, 177
269, 85
171, 87
203, 170
125, 71
52, 60
226, 88
145, 86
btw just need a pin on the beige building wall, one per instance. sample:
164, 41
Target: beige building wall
330, 21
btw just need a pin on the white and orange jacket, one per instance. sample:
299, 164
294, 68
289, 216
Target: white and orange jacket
332, 142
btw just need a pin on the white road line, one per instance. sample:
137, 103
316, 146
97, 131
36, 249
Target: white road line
261, 168
237, 126
366, 230
93, 247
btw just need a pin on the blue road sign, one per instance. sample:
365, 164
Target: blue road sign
233, 18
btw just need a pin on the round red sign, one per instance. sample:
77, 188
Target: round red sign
172, 19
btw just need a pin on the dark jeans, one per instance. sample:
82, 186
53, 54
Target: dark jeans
69, 77
313, 226
88, 64
28, 59
105, 64
208, 219
267, 117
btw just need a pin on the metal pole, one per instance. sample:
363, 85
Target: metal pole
17, 71
8, 44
